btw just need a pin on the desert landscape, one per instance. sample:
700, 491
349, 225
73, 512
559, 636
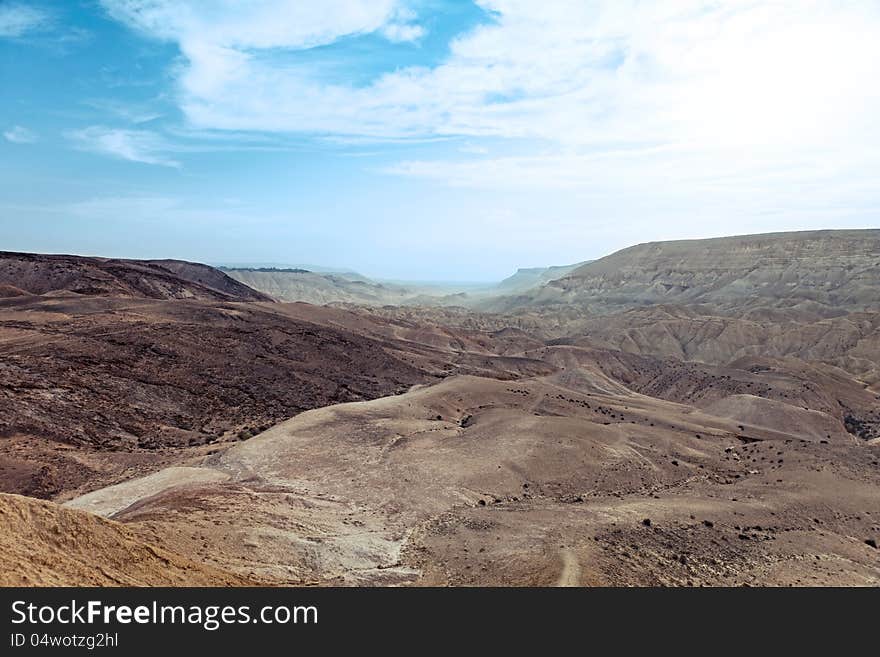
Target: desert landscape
681, 413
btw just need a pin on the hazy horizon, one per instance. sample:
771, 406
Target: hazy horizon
334, 268
430, 140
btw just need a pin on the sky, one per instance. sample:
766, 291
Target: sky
431, 139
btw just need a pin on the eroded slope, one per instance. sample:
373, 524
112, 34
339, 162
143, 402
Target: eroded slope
43, 544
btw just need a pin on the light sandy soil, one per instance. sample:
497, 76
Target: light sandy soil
43, 544
571, 569
563, 479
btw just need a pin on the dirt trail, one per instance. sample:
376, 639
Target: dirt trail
571, 569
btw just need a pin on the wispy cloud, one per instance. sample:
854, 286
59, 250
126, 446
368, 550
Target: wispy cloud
160, 209
400, 32
685, 104
403, 27
257, 24
569, 71
145, 208
139, 208
142, 146
17, 19
20, 135
161, 147
132, 112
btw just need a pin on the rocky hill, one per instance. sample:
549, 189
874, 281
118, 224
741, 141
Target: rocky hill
322, 288
824, 271
153, 279
94, 389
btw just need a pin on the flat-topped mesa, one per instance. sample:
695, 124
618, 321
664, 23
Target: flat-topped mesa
528, 277
832, 269
106, 277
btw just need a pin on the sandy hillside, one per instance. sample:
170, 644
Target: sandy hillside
43, 544
477, 481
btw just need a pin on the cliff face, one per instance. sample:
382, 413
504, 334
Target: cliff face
526, 278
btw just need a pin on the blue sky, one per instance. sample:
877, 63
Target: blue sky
430, 139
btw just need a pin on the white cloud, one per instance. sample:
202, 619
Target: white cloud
684, 103
256, 24
133, 145
564, 70
402, 27
399, 32
159, 148
227, 41
18, 19
19, 135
